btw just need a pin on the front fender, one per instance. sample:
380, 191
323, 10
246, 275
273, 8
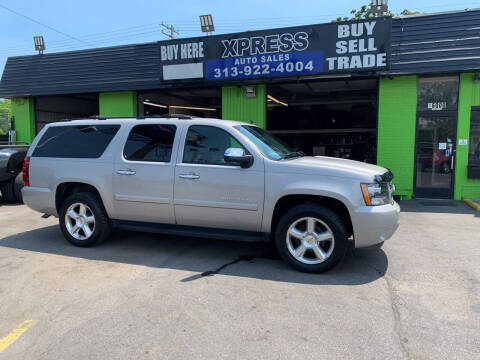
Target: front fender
278, 185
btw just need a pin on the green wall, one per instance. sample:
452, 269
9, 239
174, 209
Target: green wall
469, 96
236, 106
397, 109
118, 103
23, 111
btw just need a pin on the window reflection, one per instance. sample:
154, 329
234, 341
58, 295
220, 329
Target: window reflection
438, 93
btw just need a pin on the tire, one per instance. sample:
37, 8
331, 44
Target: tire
82, 232
8, 192
321, 252
17, 187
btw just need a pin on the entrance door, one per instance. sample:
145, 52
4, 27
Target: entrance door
435, 155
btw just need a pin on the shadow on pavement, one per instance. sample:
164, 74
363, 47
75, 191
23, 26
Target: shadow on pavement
437, 206
205, 256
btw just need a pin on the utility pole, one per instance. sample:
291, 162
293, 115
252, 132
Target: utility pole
171, 30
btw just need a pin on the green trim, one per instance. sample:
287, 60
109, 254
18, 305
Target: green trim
397, 111
118, 103
469, 95
236, 106
23, 112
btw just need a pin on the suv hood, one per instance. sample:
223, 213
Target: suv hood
329, 166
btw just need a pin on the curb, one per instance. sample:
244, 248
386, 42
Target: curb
472, 204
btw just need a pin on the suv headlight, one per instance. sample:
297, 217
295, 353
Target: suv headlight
377, 193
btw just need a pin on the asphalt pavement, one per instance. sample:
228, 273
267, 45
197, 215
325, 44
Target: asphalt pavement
148, 296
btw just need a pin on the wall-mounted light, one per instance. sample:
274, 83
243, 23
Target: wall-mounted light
275, 100
250, 91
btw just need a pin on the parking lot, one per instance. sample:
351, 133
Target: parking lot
149, 296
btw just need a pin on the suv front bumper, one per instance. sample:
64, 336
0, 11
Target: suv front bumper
375, 224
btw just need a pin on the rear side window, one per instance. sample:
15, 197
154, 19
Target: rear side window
85, 141
150, 143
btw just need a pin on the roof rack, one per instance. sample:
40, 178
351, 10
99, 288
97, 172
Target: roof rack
165, 116
174, 116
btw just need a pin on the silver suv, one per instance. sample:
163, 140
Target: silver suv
206, 177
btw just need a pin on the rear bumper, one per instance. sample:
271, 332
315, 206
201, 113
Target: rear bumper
39, 199
375, 224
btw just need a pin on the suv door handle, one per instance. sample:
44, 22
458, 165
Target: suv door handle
189, 176
126, 172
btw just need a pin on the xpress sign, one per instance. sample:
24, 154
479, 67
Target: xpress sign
327, 48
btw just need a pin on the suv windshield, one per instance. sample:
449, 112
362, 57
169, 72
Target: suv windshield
268, 144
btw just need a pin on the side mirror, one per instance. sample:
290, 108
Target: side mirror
238, 156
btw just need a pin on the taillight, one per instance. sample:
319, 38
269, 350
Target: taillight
26, 171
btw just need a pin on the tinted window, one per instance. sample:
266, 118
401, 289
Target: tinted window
474, 143
207, 144
86, 142
150, 143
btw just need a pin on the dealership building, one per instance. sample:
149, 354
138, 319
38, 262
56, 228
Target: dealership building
401, 92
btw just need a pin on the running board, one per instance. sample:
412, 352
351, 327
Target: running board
192, 231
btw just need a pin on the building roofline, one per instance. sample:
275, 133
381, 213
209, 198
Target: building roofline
436, 13
234, 33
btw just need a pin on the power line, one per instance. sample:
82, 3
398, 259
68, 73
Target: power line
132, 30
44, 25
186, 26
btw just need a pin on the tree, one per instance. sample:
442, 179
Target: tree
5, 109
6, 106
406, 12
364, 13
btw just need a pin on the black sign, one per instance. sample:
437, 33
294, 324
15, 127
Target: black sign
317, 49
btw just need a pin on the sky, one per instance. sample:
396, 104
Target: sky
80, 24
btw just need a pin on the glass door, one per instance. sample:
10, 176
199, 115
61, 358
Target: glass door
437, 105
435, 156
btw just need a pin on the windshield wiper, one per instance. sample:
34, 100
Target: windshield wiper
293, 154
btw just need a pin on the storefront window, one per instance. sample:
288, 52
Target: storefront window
438, 93
474, 143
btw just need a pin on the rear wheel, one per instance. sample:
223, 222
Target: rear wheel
17, 187
311, 238
83, 219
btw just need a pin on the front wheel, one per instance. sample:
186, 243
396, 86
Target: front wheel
311, 238
83, 220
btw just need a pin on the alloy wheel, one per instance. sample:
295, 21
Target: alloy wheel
80, 221
310, 240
